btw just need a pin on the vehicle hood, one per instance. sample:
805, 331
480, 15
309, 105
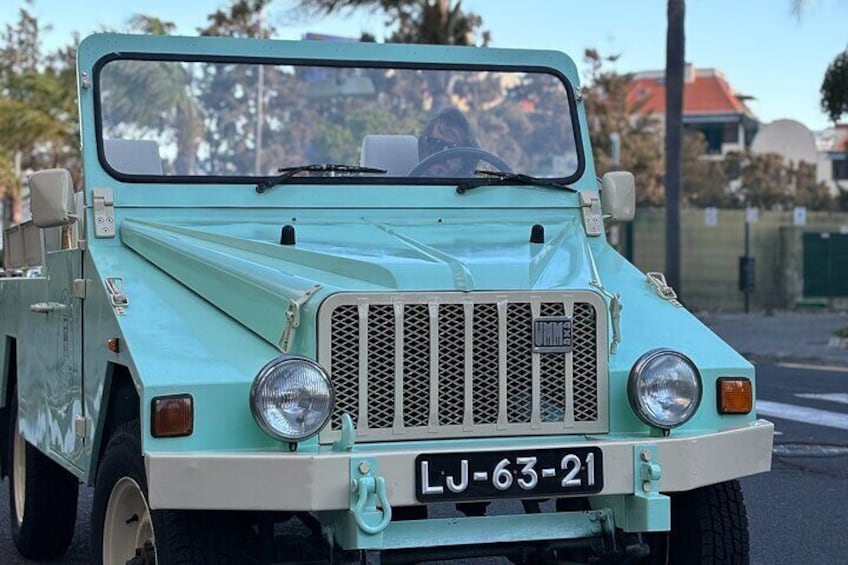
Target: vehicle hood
242, 268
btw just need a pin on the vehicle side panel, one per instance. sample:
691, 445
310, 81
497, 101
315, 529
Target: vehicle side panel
44, 395
100, 326
172, 342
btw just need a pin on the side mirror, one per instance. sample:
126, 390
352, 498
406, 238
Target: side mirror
52, 198
618, 195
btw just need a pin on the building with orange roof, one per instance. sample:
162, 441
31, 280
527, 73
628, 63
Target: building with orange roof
832, 145
709, 105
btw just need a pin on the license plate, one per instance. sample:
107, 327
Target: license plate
510, 474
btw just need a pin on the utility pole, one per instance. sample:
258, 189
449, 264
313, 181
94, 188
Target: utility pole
674, 69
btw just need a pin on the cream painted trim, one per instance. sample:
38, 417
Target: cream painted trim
568, 307
468, 429
320, 481
536, 372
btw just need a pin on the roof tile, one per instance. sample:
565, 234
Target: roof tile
707, 94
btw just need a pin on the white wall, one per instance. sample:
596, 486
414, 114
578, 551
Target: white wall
789, 138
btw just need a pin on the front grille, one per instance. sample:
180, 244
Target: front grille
417, 365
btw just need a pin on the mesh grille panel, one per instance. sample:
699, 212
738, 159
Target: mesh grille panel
345, 362
381, 366
519, 363
487, 350
451, 364
416, 365
485, 364
552, 383
585, 364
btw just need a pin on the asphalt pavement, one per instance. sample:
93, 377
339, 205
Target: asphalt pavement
798, 513
78, 552
784, 336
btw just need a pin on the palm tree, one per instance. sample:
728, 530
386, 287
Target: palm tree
22, 126
438, 22
188, 119
674, 68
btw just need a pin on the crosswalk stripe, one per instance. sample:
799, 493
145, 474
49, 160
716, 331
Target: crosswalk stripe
841, 397
802, 414
807, 366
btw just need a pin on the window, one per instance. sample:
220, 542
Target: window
840, 167
731, 133
712, 135
237, 119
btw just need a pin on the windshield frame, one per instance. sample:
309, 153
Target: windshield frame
318, 61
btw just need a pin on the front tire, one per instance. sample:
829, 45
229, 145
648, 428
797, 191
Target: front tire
42, 497
709, 526
122, 524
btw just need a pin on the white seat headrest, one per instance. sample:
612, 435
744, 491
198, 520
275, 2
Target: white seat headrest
133, 156
397, 154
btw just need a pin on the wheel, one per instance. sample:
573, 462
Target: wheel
124, 529
471, 155
42, 497
709, 526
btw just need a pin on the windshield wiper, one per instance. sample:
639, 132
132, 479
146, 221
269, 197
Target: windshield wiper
289, 172
498, 178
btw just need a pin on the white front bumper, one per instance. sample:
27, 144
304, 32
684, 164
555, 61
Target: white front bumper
321, 481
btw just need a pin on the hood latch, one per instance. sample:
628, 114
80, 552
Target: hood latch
657, 280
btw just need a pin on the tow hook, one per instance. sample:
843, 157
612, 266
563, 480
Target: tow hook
370, 502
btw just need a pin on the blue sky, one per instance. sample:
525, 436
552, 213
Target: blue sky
763, 50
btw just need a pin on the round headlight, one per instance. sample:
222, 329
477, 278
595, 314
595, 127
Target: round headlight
664, 388
291, 398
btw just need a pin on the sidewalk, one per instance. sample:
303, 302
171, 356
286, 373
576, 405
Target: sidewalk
787, 336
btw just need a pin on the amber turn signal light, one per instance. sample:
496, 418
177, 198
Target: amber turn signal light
735, 396
173, 416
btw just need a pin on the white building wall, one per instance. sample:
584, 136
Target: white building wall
791, 139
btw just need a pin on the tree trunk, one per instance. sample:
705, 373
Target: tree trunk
15, 205
674, 69
5, 221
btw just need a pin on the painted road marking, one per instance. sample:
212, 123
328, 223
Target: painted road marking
832, 368
802, 414
809, 450
840, 397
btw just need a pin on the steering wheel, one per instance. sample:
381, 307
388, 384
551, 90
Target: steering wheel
467, 153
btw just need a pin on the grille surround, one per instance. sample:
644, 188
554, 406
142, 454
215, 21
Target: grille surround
448, 376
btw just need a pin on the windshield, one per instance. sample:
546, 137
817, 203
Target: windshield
213, 119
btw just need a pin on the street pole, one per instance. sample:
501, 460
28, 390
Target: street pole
747, 256
615, 159
615, 149
675, 67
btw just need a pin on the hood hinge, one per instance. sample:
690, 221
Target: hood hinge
104, 212
590, 209
615, 305
293, 317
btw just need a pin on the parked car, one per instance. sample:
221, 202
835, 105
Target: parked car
329, 285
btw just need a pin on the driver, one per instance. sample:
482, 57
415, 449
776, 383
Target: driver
448, 130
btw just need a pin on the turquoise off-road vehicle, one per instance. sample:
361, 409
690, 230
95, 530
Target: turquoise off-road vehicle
318, 299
